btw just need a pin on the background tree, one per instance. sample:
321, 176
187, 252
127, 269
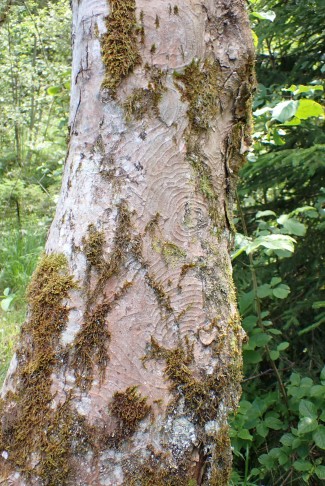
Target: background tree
129, 361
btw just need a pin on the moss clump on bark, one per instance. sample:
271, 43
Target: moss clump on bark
162, 297
30, 427
91, 346
172, 253
145, 101
201, 392
204, 182
120, 52
129, 407
93, 246
200, 88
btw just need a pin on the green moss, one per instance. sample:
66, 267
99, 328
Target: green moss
157, 22
158, 471
200, 392
93, 246
222, 463
145, 101
91, 346
176, 11
28, 416
119, 45
152, 224
172, 253
162, 297
200, 88
129, 407
121, 246
158, 476
204, 182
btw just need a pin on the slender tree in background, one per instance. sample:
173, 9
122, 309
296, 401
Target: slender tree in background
130, 358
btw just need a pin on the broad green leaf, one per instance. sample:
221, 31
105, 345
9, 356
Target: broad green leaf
307, 424
262, 214
282, 346
301, 465
269, 15
273, 242
277, 139
53, 90
275, 281
244, 434
295, 379
5, 303
264, 291
6, 291
281, 292
252, 357
274, 355
296, 443
284, 111
267, 461
258, 340
262, 111
293, 122
317, 391
262, 430
303, 88
283, 458
276, 332
307, 409
320, 472
273, 423
249, 323
319, 437
309, 108
287, 439
291, 225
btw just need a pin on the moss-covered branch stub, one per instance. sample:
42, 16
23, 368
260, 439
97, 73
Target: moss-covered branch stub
29, 424
120, 51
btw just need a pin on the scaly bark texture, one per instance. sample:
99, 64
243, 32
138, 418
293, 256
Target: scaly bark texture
130, 359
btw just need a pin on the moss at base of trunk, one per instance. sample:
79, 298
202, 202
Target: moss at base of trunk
30, 427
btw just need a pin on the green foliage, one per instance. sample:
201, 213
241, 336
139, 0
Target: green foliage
19, 251
288, 439
278, 433
34, 85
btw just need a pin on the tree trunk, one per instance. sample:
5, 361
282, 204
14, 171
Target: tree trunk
130, 359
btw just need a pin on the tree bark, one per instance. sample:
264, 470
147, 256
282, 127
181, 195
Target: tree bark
130, 358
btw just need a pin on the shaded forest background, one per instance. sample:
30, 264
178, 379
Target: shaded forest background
278, 434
